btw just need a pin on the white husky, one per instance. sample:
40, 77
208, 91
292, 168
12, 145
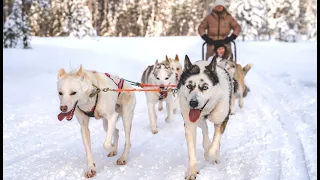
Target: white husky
205, 93
80, 94
159, 74
177, 69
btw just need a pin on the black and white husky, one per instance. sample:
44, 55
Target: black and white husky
204, 91
159, 74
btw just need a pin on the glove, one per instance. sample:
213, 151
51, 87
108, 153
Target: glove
230, 38
206, 38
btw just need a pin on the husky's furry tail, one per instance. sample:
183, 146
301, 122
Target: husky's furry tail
246, 69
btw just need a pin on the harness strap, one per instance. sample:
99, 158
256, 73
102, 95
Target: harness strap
120, 84
91, 112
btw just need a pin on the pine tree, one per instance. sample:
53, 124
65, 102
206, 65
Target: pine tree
16, 30
283, 18
79, 24
59, 18
311, 18
39, 16
251, 16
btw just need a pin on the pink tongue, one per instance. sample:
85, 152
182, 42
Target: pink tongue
194, 114
62, 115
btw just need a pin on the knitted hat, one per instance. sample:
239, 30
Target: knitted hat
220, 2
220, 45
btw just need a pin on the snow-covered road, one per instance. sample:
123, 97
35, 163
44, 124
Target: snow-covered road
272, 138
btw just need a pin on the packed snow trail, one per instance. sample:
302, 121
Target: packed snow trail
272, 137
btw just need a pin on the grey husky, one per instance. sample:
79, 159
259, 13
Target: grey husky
159, 74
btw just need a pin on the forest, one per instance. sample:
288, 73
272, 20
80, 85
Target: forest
286, 20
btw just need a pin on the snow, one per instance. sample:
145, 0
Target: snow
272, 137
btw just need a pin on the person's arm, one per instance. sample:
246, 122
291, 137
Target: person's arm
235, 26
236, 30
204, 25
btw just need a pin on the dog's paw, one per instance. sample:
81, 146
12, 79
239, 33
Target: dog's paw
232, 112
154, 131
191, 176
91, 172
121, 161
212, 157
113, 153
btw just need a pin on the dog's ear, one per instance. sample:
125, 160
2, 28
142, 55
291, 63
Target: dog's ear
176, 58
156, 63
167, 59
80, 72
213, 64
187, 63
61, 73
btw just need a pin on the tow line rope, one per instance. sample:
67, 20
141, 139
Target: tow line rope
173, 90
148, 85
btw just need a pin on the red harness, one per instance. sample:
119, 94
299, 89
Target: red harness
119, 84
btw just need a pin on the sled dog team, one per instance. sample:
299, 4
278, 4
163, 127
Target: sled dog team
206, 91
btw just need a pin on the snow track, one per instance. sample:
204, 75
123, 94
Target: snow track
272, 137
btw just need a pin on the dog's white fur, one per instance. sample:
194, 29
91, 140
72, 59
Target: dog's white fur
149, 77
217, 110
109, 107
177, 69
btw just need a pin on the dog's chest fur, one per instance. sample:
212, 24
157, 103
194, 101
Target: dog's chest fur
220, 108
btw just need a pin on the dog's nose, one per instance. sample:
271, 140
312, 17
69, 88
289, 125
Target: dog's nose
64, 108
193, 103
161, 86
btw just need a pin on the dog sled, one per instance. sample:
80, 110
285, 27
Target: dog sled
234, 51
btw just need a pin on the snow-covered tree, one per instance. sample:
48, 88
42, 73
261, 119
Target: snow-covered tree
16, 30
39, 16
251, 15
59, 19
283, 18
79, 24
311, 19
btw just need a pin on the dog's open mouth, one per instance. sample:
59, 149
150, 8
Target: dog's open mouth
163, 91
67, 115
163, 94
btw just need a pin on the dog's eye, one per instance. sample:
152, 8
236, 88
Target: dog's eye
167, 78
73, 93
158, 78
60, 93
189, 86
205, 88
178, 69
